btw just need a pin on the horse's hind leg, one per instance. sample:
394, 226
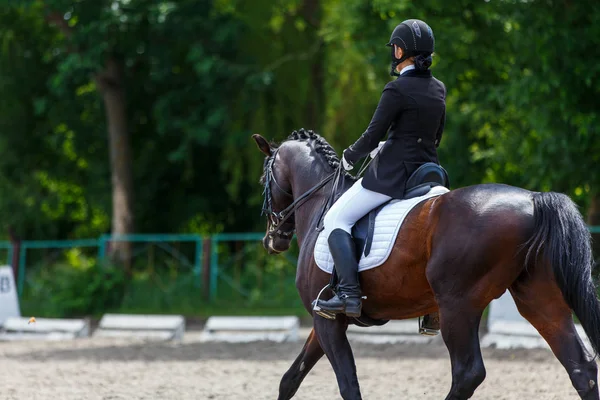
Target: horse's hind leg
540, 301
308, 357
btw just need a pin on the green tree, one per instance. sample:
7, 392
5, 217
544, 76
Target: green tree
555, 44
158, 77
185, 84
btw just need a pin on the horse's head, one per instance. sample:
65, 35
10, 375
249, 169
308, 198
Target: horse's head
277, 198
310, 163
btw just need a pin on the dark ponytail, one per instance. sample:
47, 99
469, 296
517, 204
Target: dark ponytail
423, 61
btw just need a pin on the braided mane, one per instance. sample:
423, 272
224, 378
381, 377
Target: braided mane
321, 146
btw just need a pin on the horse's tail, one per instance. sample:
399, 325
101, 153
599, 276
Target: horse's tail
563, 237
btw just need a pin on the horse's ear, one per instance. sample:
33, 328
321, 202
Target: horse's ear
262, 144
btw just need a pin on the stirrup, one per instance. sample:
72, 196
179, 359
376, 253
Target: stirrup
318, 310
427, 331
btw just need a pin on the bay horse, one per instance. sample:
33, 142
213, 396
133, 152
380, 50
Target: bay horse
454, 254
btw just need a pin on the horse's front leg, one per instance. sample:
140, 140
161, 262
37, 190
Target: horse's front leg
333, 340
460, 332
308, 357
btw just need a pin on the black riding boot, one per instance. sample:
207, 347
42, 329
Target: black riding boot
348, 297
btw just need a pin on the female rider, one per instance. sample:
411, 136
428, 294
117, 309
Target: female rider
413, 108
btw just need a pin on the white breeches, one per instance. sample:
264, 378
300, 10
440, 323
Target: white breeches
354, 204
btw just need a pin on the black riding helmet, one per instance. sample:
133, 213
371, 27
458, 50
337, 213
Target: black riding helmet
414, 37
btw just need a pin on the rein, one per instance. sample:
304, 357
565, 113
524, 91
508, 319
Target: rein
280, 218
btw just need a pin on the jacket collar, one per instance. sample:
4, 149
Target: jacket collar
418, 74
407, 68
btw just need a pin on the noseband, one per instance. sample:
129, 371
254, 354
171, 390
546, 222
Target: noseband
278, 219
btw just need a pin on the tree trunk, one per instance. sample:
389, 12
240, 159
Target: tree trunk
594, 220
110, 84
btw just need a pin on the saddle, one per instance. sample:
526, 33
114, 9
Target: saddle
419, 183
426, 177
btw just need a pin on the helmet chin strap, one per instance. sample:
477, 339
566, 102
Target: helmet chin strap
393, 71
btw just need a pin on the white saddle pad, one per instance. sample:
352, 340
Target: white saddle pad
387, 225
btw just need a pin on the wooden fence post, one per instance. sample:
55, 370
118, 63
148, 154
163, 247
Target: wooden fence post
15, 242
206, 254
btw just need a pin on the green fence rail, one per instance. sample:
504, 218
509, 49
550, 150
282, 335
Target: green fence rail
206, 265
100, 246
216, 266
214, 254
197, 239
46, 244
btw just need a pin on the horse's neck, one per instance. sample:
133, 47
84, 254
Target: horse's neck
307, 216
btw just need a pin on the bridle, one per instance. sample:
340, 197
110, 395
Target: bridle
278, 219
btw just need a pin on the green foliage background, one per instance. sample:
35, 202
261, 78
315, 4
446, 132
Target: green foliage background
202, 75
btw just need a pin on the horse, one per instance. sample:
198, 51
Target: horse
453, 255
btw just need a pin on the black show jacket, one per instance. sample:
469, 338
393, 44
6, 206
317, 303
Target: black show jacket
413, 108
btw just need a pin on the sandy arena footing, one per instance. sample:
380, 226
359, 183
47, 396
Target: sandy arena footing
127, 369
